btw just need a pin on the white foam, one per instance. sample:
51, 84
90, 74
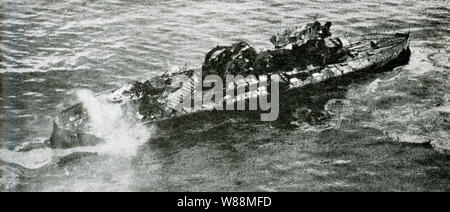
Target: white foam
33, 94
122, 136
35, 80
31, 160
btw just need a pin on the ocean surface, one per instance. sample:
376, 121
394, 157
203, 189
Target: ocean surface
387, 132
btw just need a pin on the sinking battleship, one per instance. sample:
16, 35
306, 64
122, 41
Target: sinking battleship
302, 58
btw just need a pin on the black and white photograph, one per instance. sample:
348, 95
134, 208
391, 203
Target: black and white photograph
262, 96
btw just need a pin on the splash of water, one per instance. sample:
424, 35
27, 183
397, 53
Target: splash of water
122, 135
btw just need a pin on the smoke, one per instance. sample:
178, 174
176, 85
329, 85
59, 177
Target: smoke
122, 136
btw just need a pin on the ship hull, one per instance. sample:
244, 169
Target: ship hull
370, 53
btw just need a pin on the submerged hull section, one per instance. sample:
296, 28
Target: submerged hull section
71, 128
368, 53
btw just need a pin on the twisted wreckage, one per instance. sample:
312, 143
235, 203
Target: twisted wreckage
302, 57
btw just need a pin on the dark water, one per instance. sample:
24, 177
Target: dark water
385, 132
